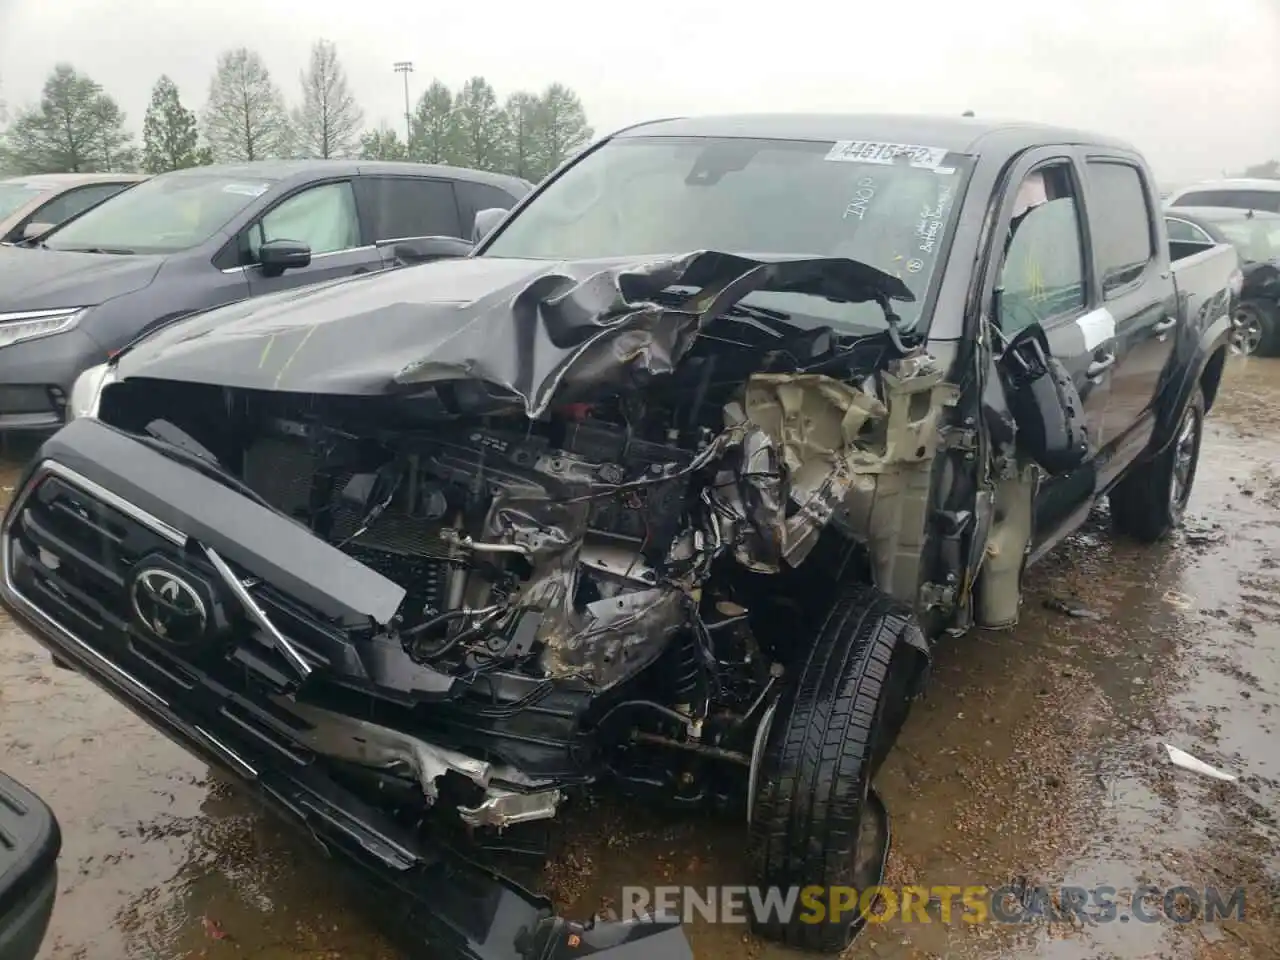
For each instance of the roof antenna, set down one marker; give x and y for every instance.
(967, 113)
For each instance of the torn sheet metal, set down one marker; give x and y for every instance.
(847, 456)
(524, 328)
(372, 745)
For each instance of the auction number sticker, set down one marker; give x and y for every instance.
(873, 151)
(247, 189)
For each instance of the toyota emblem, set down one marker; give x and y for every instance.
(169, 607)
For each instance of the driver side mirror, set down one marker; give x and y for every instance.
(486, 220)
(33, 230)
(277, 256)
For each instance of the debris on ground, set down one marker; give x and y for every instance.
(213, 929)
(1185, 760)
(1071, 608)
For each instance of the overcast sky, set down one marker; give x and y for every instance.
(1194, 83)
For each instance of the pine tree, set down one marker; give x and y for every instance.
(435, 133)
(170, 140)
(75, 129)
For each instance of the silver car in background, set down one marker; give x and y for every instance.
(32, 205)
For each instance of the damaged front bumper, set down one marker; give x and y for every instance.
(450, 906)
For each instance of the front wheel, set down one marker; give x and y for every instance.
(814, 820)
(1150, 502)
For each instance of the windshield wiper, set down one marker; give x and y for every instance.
(119, 251)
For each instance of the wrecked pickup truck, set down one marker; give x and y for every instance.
(671, 482)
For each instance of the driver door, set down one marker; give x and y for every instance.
(326, 218)
(1045, 278)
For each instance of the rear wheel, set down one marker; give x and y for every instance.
(1257, 328)
(814, 821)
(1149, 503)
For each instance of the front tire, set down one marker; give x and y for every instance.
(1150, 502)
(812, 824)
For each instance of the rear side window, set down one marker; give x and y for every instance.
(1189, 232)
(1121, 223)
(482, 196)
(1239, 199)
(413, 207)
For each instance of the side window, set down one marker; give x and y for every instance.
(483, 196)
(1122, 225)
(1043, 273)
(1239, 199)
(67, 205)
(1262, 200)
(1182, 230)
(413, 207)
(322, 217)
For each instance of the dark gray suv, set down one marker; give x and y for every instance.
(193, 239)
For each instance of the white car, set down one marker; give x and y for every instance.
(1242, 193)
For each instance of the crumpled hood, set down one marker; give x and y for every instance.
(527, 327)
(39, 279)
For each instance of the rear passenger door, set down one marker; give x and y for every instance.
(400, 207)
(326, 218)
(1137, 290)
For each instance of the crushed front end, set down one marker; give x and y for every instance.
(595, 550)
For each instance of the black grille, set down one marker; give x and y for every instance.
(72, 556)
(79, 553)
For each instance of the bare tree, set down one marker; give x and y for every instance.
(245, 118)
(327, 123)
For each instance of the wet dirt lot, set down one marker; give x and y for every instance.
(1036, 757)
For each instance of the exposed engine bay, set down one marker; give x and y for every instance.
(624, 577)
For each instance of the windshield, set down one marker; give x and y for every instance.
(16, 194)
(163, 215)
(1256, 239)
(647, 196)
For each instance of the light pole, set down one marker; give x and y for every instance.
(406, 67)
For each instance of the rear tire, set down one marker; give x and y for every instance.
(1257, 331)
(832, 730)
(1149, 503)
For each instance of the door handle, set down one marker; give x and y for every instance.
(1098, 367)
(1165, 325)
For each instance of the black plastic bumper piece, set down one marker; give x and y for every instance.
(447, 905)
(29, 845)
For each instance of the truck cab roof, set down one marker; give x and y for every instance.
(964, 135)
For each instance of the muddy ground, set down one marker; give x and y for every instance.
(1035, 756)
